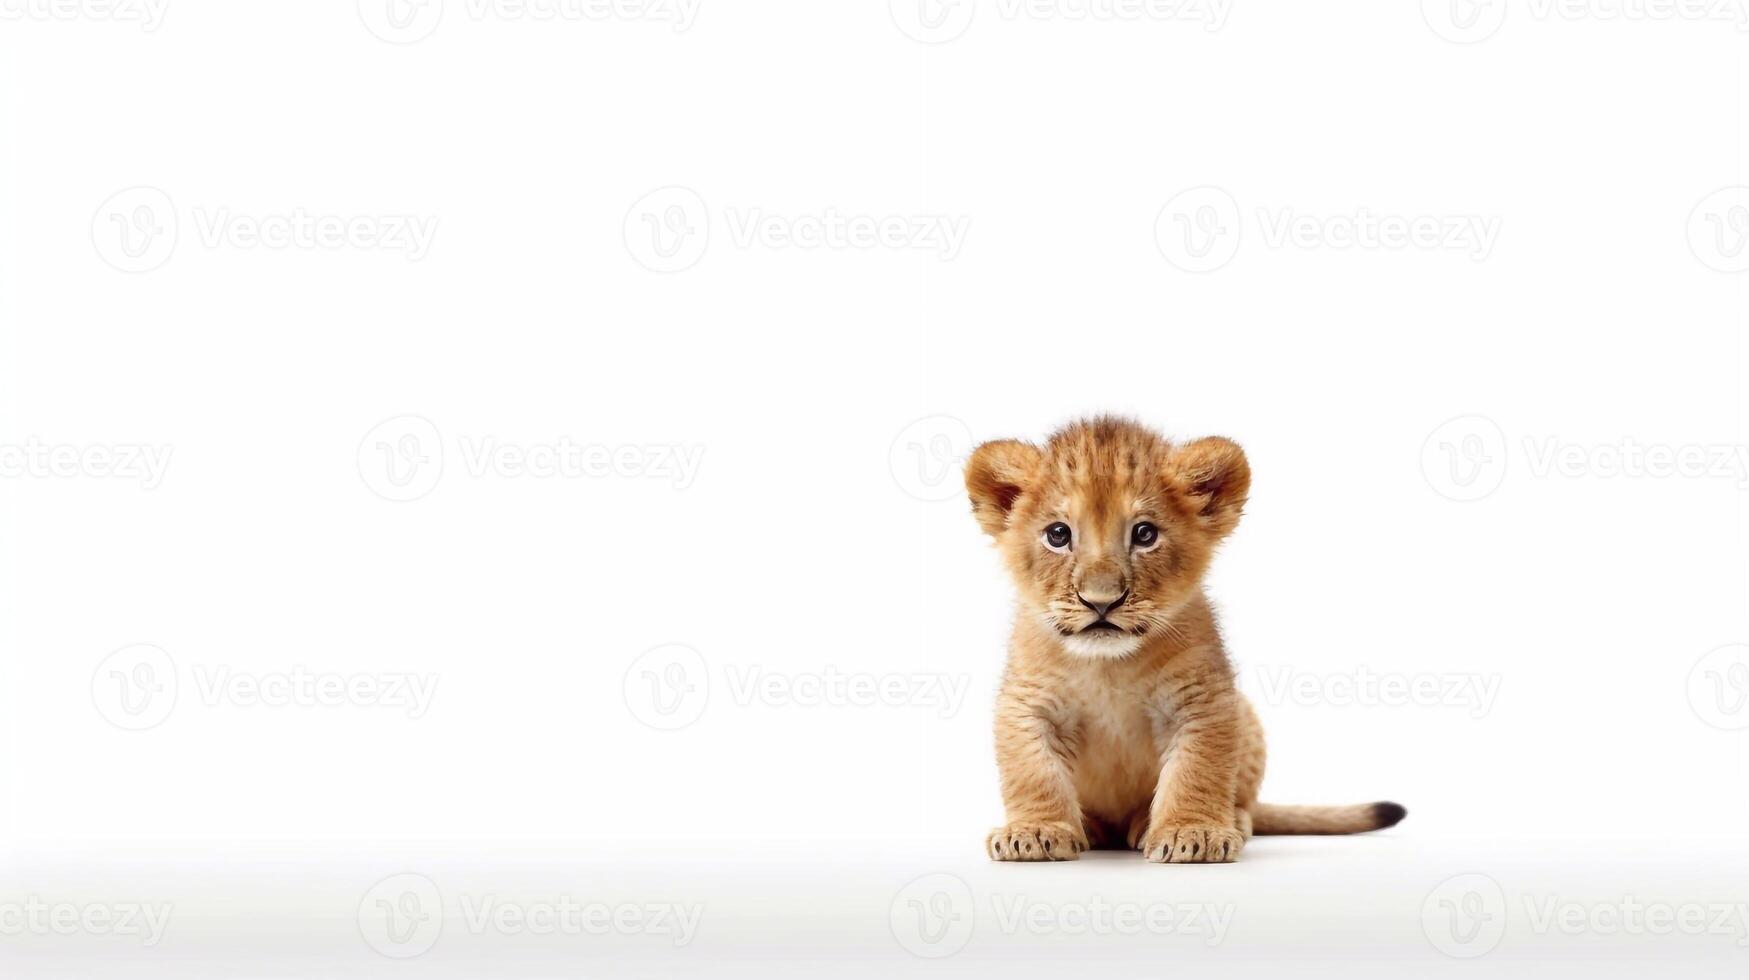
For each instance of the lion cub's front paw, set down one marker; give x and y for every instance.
(1192, 845)
(1036, 841)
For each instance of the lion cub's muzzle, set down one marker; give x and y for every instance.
(1102, 607)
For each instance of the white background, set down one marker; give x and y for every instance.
(566, 168)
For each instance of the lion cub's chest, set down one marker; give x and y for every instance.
(1117, 759)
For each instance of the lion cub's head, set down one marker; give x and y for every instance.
(1109, 527)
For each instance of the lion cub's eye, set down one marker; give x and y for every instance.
(1057, 536)
(1144, 535)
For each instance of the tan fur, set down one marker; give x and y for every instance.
(1134, 736)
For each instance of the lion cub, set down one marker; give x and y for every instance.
(1118, 721)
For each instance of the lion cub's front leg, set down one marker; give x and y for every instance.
(1192, 818)
(1038, 792)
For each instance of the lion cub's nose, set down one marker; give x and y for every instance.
(1102, 603)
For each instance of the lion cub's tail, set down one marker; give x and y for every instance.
(1267, 818)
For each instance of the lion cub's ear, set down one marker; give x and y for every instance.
(1214, 479)
(996, 474)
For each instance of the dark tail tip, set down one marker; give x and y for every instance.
(1388, 814)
